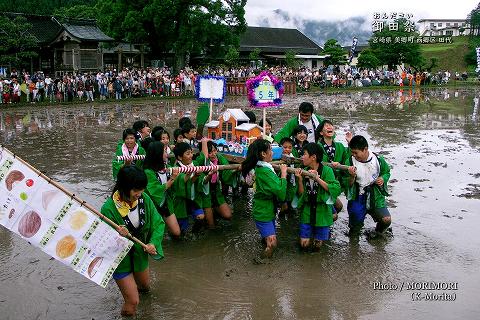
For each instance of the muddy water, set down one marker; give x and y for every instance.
(432, 141)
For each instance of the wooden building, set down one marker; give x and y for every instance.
(67, 45)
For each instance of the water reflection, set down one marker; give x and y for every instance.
(438, 108)
(28, 120)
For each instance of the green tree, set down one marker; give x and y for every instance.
(290, 59)
(79, 12)
(44, 7)
(473, 19)
(232, 56)
(17, 44)
(397, 52)
(471, 55)
(368, 59)
(185, 27)
(337, 56)
(254, 55)
(433, 64)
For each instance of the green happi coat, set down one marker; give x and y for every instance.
(269, 188)
(342, 154)
(292, 186)
(291, 124)
(296, 152)
(184, 191)
(227, 177)
(116, 165)
(325, 200)
(158, 192)
(151, 232)
(379, 192)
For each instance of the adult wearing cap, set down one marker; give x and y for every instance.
(305, 117)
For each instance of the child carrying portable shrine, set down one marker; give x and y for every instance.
(129, 147)
(189, 189)
(215, 202)
(335, 153)
(300, 139)
(269, 189)
(317, 197)
(291, 195)
(367, 188)
(160, 183)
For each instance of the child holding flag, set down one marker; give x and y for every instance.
(135, 213)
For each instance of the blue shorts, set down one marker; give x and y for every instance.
(266, 228)
(183, 223)
(193, 208)
(357, 211)
(197, 212)
(120, 275)
(318, 233)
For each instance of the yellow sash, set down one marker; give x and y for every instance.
(122, 206)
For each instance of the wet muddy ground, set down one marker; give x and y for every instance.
(431, 139)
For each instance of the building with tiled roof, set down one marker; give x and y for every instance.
(277, 41)
(67, 45)
(274, 43)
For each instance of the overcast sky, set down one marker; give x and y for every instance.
(344, 9)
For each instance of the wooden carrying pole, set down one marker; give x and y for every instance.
(289, 159)
(305, 173)
(235, 167)
(73, 196)
(285, 158)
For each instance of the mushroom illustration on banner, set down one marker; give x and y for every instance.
(264, 91)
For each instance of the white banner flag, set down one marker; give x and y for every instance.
(211, 88)
(56, 223)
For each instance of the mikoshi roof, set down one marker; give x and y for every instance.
(238, 114)
(246, 126)
(212, 124)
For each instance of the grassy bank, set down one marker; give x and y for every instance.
(449, 56)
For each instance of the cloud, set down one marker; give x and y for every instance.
(331, 10)
(320, 31)
(321, 20)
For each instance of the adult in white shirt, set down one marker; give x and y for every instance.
(305, 117)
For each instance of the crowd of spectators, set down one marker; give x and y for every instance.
(351, 77)
(134, 82)
(109, 84)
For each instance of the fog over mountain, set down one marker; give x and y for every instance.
(320, 30)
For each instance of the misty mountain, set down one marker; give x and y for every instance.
(319, 30)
